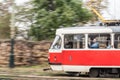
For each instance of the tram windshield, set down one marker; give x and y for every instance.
(56, 43)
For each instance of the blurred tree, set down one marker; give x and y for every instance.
(53, 14)
(24, 19)
(5, 19)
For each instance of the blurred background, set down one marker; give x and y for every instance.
(27, 27)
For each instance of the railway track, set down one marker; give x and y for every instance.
(33, 77)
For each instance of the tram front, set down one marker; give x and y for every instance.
(55, 54)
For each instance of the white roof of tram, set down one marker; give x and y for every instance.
(90, 29)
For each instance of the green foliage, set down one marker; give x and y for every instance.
(4, 20)
(53, 14)
(4, 26)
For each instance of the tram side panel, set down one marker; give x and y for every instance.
(83, 60)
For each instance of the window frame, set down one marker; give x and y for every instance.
(100, 40)
(55, 41)
(117, 40)
(84, 42)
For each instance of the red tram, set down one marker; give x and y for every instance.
(91, 50)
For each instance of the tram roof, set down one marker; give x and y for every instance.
(88, 29)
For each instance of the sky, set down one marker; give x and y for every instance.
(20, 1)
(114, 8)
(113, 11)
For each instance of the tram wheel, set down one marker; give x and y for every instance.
(94, 73)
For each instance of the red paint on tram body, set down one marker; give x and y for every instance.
(87, 57)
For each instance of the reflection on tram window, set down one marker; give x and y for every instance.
(117, 41)
(74, 41)
(99, 41)
(57, 43)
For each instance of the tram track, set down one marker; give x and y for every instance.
(39, 74)
(34, 77)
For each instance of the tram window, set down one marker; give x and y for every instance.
(74, 41)
(57, 43)
(117, 41)
(99, 41)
